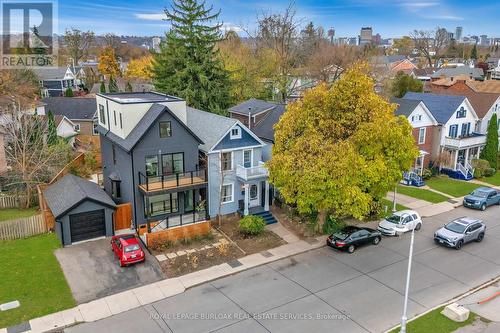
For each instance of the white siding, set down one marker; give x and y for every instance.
(469, 118)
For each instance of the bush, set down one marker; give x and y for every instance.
(426, 174)
(252, 225)
(68, 93)
(489, 172)
(332, 225)
(480, 167)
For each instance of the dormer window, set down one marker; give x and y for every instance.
(462, 113)
(235, 133)
(165, 129)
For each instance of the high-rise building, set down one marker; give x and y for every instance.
(483, 40)
(377, 39)
(331, 34)
(458, 34)
(156, 43)
(365, 36)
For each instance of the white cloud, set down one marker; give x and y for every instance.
(444, 17)
(230, 26)
(151, 17)
(416, 6)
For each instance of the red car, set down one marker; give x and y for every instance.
(128, 249)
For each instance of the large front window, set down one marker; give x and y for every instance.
(227, 193)
(226, 161)
(152, 165)
(162, 204)
(172, 163)
(421, 135)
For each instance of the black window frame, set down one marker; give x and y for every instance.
(146, 165)
(116, 191)
(113, 152)
(461, 113)
(121, 121)
(114, 116)
(169, 129)
(172, 163)
(102, 114)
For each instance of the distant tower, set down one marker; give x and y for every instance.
(331, 34)
(458, 34)
(366, 36)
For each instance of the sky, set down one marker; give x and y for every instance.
(389, 18)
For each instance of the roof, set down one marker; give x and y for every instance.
(264, 129)
(50, 73)
(481, 102)
(139, 97)
(442, 107)
(488, 86)
(153, 113)
(388, 59)
(209, 127)
(71, 107)
(405, 106)
(423, 71)
(462, 70)
(451, 80)
(71, 190)
(254, 106)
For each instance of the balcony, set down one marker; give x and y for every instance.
(171, 182)
(254, 172)
(475, 139)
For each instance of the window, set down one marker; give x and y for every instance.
(421, 135)
(235, 133)
(465, 129)
(114, 116)
(227, 161)
(227, 193)
(152, 165)
(162, 204)
(462, 113)
(172, 163)
(115, 189)
(253, 192)
(247, 158)
(77, 127)
(121, 122)
(94, 128)
(165, 129)
(102, 116)
(419, 117)
(114, 154)
(412, 118)
(189, 201)
(453, 131)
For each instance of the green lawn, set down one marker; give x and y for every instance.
(30, 273)
(15, 213)
(493, 180)
(389, 205)
(455, 188)
(434, 321)
(422, 194)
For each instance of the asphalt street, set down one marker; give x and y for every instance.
(326, 290)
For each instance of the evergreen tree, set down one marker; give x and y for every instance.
(490, 150)
(68, 93)
(473, 52)
(112, 86)
(128, 87)
(52, 129)
(188, 64)
(102, 88)
(403, 83)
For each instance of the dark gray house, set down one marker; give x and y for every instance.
(82, 210)
(54, 81)
(151, 159)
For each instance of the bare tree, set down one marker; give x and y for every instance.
(431, 44)
(111, 40)
(78, 43)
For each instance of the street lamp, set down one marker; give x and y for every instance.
(407, 289)
(394, 199)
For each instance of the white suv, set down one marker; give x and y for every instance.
(400, 222)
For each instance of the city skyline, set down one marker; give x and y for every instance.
(388, 18)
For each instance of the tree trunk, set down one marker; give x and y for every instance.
(321, 220)
(27, 204)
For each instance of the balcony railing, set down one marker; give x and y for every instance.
(252, 172)
(165, 182)
(475, 139)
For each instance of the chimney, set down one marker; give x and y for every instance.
(249, 117)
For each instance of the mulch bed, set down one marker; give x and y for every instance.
(301, 230)
(186, 245)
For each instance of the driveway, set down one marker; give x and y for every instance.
(326, 290)
(92, 270)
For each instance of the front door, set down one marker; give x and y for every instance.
(461, 156)
(254, 195)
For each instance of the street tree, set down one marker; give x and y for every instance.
(78, 43)
(140, 68)
(431, 44)
(188, 64)
(339, 150)
(490, 150)
(402, 83)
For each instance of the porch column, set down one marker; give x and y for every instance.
(456, 160)
(266, 196)
(247, 194)
(422, 158)
(467, 156)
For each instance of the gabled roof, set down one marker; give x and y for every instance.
(488, 86)
(442, 107)
(423, 71)
(154, 112)
(405, 106)
(210, 127)
(50, 73)
(71, 190)
(462, 70)
(254, 106)
(264, 129)
(71, 107)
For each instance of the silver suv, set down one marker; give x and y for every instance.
(460, 231)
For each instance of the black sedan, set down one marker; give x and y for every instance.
(350, 237)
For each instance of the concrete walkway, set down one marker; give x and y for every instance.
(137, 297)
(425, 208)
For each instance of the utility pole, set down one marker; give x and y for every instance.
(407, 289)
(394, 200)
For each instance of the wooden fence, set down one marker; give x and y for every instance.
(12, 201)
(23, 227)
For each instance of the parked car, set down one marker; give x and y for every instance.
(127, 249)
(350, 237)
(460, 231)
(482, 197)
(400, 222)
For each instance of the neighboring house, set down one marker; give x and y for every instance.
(422, 74)
(260, 117)
(472, 73)
(166, 160)
(81, 209)
(484, 104)
(455, 143)
(487, 86)
(494, 65)
(66, 129)
(54, 81)
(80, 111)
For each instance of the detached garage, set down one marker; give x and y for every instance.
(82, 210)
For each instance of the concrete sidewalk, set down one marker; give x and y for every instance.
(134, 298)
(425, 208)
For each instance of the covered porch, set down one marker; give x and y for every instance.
(458, 162)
